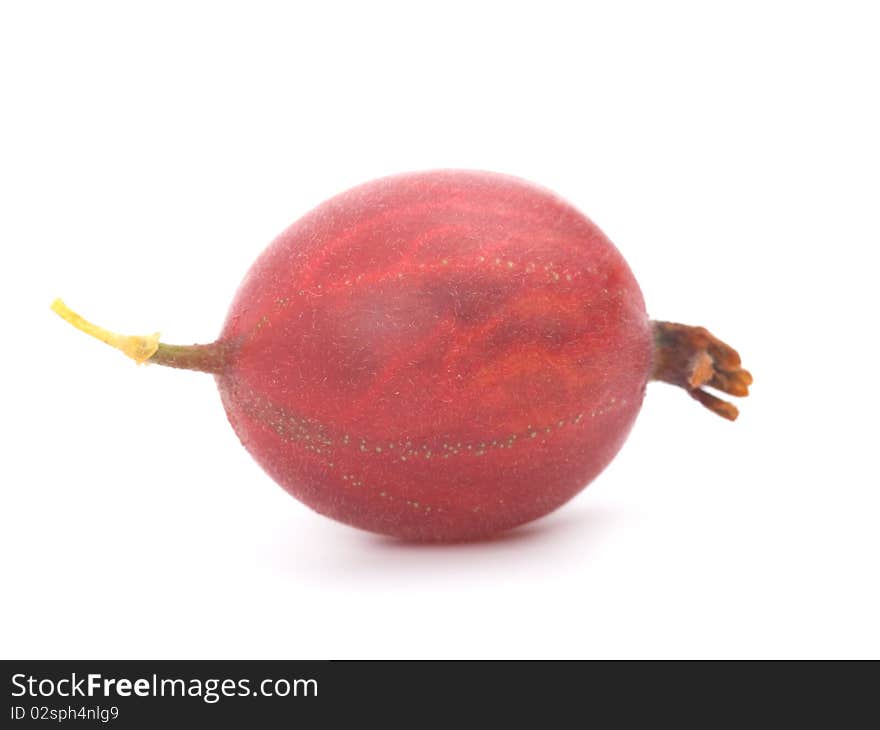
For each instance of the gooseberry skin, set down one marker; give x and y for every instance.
(437, 356)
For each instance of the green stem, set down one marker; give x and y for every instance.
(205, 358)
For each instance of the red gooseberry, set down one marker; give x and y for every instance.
(441, 355)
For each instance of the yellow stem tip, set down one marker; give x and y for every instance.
(139, 348)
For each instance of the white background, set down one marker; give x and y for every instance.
(150, 151)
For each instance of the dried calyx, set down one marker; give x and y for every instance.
(693, 358)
